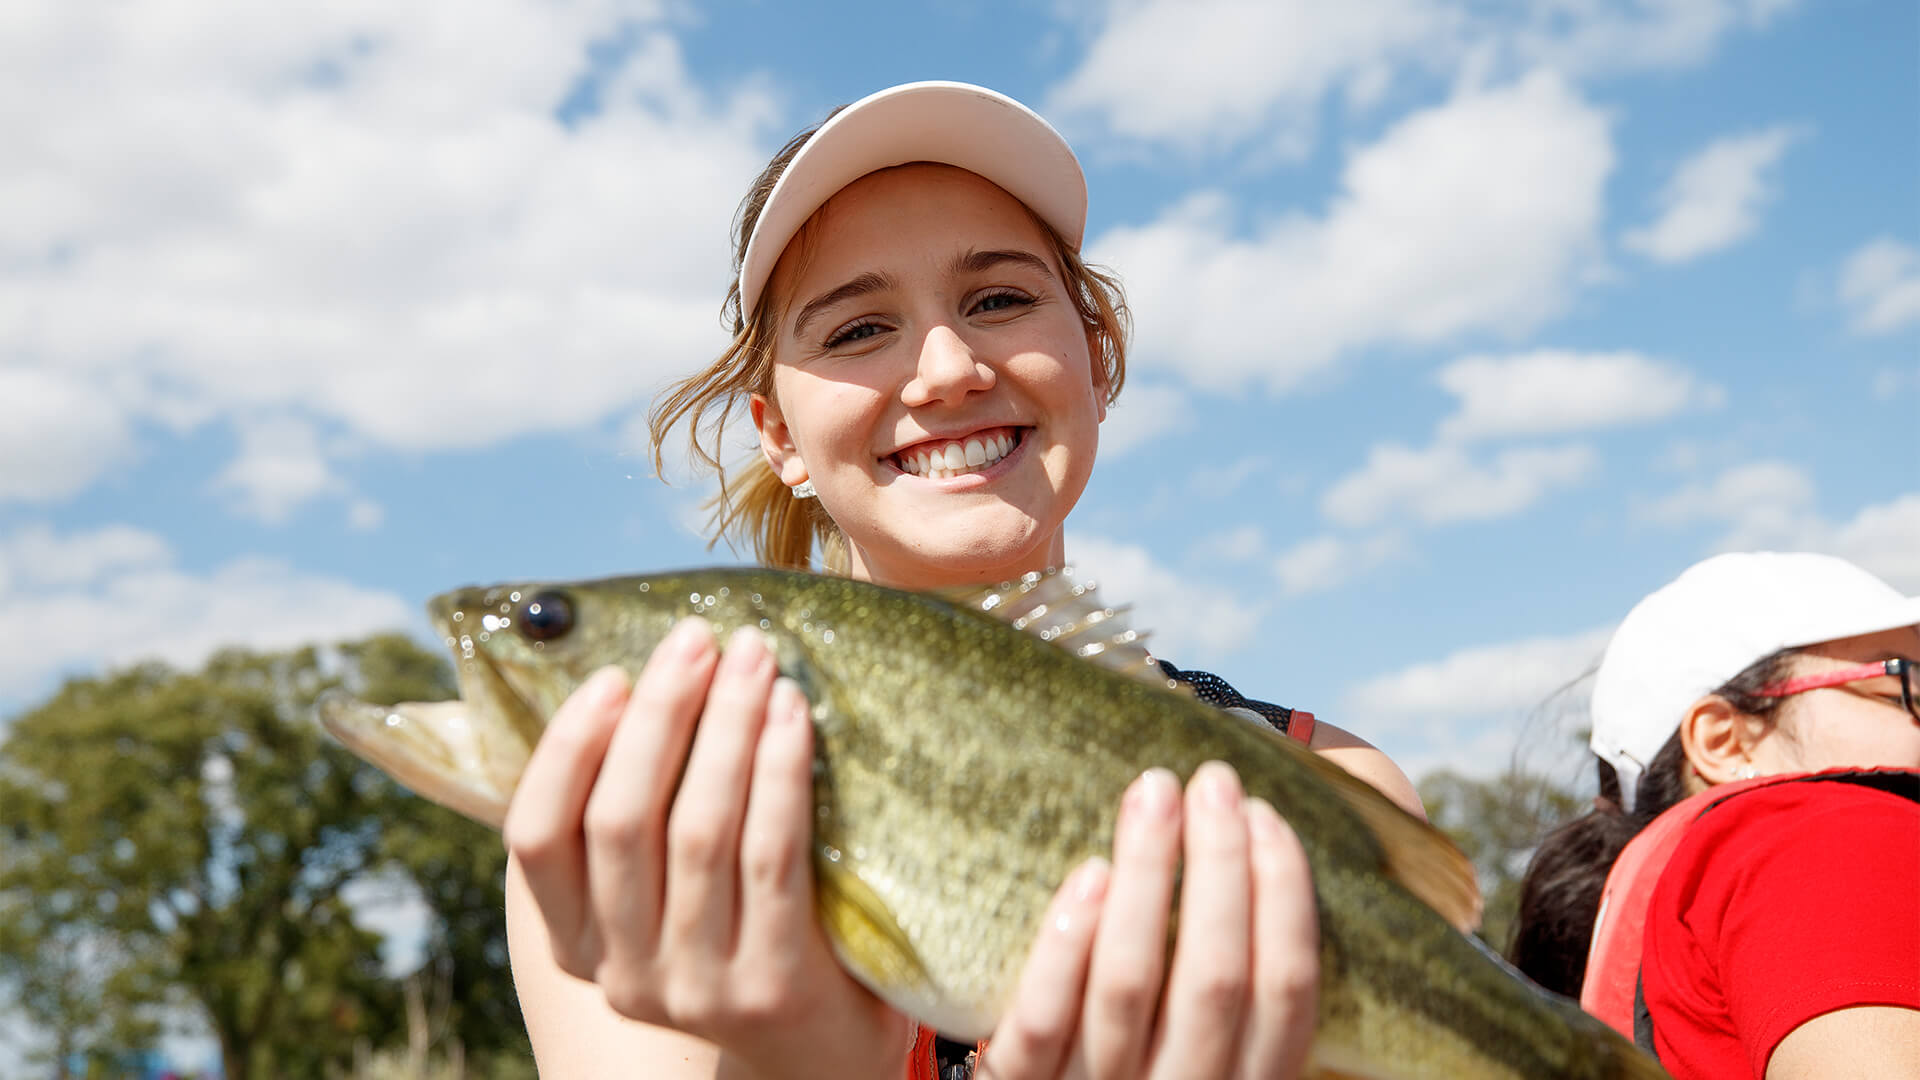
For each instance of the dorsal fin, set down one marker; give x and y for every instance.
(1414, 852)
(1065, 610)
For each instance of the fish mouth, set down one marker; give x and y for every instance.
(432, 748)
(980, 452)
(482, 684)
(452, 752)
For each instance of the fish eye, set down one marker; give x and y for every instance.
(547, 616)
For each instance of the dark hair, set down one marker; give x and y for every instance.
(1560, 895)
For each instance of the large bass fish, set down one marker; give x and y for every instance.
(971, 750)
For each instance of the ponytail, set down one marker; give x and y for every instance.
(1560, 895)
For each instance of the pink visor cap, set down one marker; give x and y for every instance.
(948, 123)
(1720, 617)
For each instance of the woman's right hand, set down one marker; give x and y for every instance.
(1240, 999)
(664, 833)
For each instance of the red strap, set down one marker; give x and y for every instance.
(1613, 958)
(1300, 727)
(920, 1064)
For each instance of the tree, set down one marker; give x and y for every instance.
(1497, 823)
(193, 833)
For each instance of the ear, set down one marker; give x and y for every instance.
(776, 440)
(1720, 740)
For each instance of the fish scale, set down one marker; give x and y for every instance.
(963, 767)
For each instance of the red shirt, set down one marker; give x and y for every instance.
(1782, 905)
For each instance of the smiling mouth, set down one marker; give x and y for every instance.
(939, 459)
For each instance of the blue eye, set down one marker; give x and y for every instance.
(857, 331)
(1001, 301)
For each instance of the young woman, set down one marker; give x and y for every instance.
(927, 362)
(1745, 901)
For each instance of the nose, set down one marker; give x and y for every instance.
(948, 370)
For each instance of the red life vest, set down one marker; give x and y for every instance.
(1610, 989)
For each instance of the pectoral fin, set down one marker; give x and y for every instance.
(865, 934)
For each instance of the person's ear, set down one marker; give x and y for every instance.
(1720, 741)
(776, 440)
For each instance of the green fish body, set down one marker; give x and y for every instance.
(970, 751)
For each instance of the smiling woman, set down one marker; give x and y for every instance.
(927, 362)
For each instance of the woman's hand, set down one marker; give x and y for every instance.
(1241, 997)
(664, 834)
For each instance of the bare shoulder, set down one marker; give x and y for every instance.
(1364, 760)
(574, 1032)
(1870, 1040)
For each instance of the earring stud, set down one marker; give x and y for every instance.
(804, 490)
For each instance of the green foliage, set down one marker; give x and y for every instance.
(1497, 823)
(181, 841)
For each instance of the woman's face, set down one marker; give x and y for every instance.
(933, 378)
(1858, 724)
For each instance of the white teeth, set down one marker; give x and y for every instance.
(955, 458)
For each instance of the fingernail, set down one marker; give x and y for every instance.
(1219, 785)
(689, 638)
(1085, 889)
(746, 649)
(1153, 795)
(1090, 881)
(789, 704)
(1263, 822)
(604, 685)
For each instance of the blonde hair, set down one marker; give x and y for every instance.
(753, 506)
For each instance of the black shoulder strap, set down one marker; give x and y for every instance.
(1642, 1019)
(1216, 691)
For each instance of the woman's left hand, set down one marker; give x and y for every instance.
(1241, 998)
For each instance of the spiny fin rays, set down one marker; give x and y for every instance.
(1066, 611)
(1414, 853)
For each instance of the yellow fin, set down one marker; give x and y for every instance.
(1420, 857)
(865, 933)
(1064, 610)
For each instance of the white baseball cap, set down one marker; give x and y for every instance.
(1692, 636)
(949, 123)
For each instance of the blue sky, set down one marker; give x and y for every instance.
(1460, 325)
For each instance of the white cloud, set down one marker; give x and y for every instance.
(1714, 198)
(1880, 287)
(1231, 72)
(366, 215)
(1554, 391)
(1602, 37)
(1243, 543)
(1228, 70)
(57, 433)
(1144, 412)
(1477, 215)
(35, 556)
(280, 467)
(114, 596)
(1763, 503)
(1187, 621)
(1326, 562)
(1885, 538)
(1503, 679)
(1442, 484)
(1771, 505)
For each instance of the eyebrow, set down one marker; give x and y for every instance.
(972, 262)
(863, 285)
